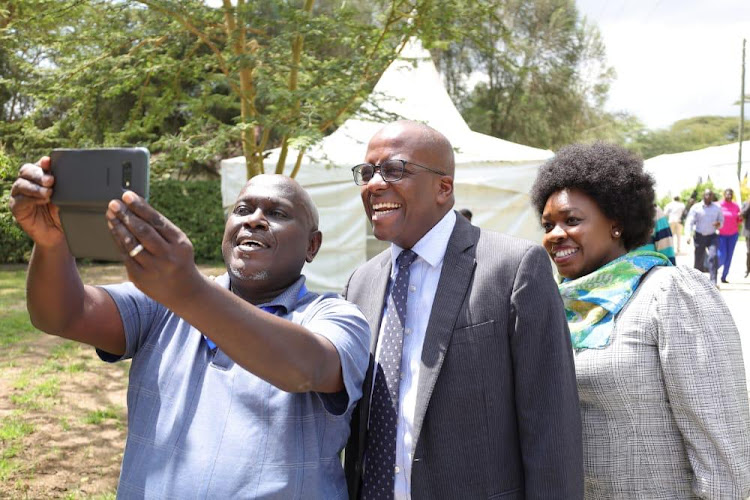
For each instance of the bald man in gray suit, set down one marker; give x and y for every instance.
(478, 400)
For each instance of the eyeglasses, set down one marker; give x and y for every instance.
(390, 171)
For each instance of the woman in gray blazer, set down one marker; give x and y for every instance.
(664, 401)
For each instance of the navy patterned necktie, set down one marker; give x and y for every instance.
(379, 477)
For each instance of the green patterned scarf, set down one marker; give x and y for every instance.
(592, 301)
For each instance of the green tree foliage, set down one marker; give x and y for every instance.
(546, 76)
(15, 246)
(192, 82)
(194, 205)
(687, 135)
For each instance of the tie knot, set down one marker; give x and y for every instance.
(405, 258)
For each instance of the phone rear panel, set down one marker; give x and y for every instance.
(85, 182)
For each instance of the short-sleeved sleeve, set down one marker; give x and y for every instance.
(342, 323)
(137, 312)
(701, 358)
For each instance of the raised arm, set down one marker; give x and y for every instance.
(57, 300)
(286, 354)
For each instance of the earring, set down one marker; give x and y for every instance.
(616, 233)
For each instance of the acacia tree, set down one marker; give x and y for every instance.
(544, 73)
(278, 61)
(193, 81)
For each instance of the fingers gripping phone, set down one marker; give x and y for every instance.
(86, 180)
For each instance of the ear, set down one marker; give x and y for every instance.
(313, 245)
(445, 190)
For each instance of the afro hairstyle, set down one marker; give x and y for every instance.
(612, 176)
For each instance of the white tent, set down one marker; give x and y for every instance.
(492, 179)
(679, 171)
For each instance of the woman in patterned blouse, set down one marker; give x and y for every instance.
(664, 400)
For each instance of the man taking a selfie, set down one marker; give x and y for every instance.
(240, 387)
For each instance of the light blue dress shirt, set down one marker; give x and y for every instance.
(701, 218)
(423, 281)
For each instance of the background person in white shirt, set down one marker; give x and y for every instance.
(673, 210)
(703, 222)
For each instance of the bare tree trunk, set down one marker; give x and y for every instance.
(297, 45)
(236, 32)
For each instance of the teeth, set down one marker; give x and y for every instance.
(252, 243)
(566, 252)
(386, 206)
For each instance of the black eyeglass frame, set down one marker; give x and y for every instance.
(377, 169)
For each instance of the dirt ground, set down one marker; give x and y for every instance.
(62, 412)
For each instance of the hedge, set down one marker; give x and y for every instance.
(194, 206)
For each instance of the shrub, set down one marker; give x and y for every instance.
(194, 206)
(15, 246)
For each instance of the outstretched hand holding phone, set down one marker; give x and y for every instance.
(30, 204)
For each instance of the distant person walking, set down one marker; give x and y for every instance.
(674, 210)
(703, 220)
(745, 214)
(729, 232)
(691, 201)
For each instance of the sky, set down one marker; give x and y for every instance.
(674, 59)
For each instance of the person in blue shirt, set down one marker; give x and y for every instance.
(240, 386)
(703, 222)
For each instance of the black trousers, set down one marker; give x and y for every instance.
(706, 258)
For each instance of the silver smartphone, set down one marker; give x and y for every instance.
(86, 180)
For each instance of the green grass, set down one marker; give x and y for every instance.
(13, 427)
(7, 468)
(76, 495)
(96, 417)
(65, 350)
(14, 320)
(12, 286)
(12, 430)
(14, 326)
(35, 396)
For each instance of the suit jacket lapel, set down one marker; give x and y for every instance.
(455, 277)
(375, 306)
(373, 311)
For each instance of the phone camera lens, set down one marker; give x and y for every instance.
(127, 174)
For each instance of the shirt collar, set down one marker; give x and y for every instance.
(287, 299)
(432, 246)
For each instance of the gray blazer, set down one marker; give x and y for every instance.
(497, 411)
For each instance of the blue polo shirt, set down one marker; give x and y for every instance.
(199, 426)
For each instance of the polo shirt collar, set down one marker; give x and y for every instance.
(287, 300)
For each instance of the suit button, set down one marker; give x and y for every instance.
(397, 469)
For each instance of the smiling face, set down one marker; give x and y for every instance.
(405, 210)
(269, 235)
(578, 236)
(728, 195)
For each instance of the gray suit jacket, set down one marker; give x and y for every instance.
(497, 412)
